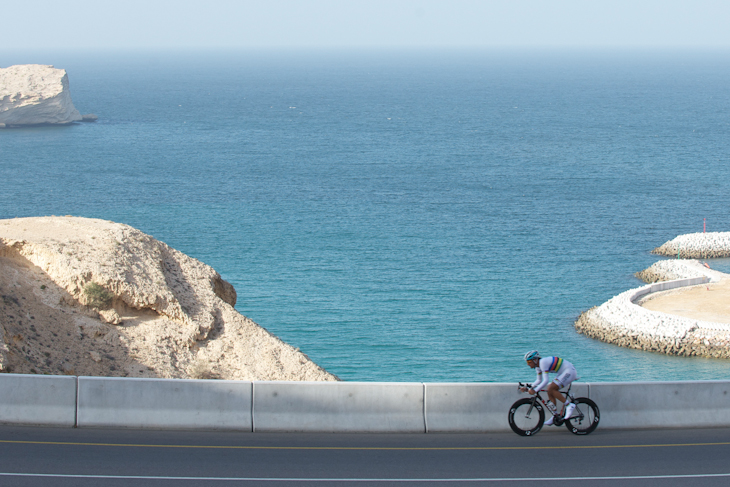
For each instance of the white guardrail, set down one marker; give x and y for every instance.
(336, 406)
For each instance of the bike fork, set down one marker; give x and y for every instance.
(529, 411)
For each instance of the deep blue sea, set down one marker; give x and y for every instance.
(400, 216)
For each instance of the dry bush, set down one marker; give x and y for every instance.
(97, 297)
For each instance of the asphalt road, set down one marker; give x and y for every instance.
(32, 456)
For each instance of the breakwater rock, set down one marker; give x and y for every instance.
(32, 94)
(670, 270)
(697, 246)
(91, 297)
(624, 322)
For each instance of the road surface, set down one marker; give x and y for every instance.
(34, 456)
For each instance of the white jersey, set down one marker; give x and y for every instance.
(554, 365)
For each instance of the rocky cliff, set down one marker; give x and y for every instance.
(92, 297)
(35, 94)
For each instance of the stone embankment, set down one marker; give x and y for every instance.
(80, 296)
(710, 245)
(624, 322)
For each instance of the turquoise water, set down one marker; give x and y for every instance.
(408, 216)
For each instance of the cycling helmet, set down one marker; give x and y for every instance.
(532, 355)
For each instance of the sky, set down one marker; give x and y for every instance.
(332, 24)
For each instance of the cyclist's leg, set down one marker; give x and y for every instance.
(554, 394)
(562, 381)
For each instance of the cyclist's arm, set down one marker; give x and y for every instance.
(542, 380)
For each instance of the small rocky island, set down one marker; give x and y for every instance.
(82, 296)
(36, 94)
(686, 321)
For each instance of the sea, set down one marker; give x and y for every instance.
(412, 215)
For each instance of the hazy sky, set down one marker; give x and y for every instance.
(363, 23)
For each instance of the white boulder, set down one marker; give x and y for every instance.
(35, 94)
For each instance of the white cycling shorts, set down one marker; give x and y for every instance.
(566, 377)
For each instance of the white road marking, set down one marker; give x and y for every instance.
(304, 479)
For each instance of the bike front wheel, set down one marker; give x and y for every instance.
(526, 417)
(585, 417)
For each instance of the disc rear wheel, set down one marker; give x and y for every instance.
(526, 418)
(585, 417)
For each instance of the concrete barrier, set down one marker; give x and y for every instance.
(666, 285)
(38, 399)
(662, 404)
(165, 403)
(338, 407)
(474, 408)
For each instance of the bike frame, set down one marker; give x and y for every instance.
(558, 421)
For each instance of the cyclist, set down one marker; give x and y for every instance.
(565, 375)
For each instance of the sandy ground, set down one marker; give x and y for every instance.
(707, 302)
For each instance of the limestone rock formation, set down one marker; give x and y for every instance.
(92, 297)
(33, 94)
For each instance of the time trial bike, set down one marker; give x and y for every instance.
(527, 415)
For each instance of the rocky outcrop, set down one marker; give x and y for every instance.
(697, 246)
(92, 297)
(32, 94)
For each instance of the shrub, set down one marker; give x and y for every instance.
(97, 297)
